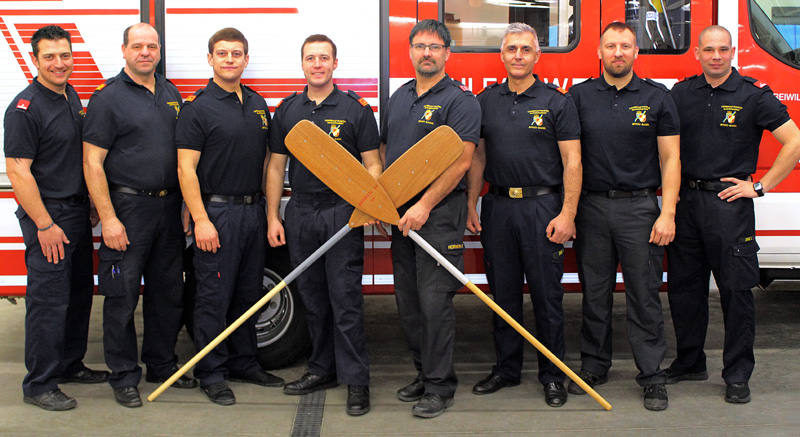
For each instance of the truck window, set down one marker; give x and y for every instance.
(478, 25)
(776, 28)
(662, 26)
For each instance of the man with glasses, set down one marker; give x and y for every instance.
(130, 162)
(424, 290)
(529, 150)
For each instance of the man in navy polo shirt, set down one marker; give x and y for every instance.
(424, 290)
(42, 146)
(630, 147)
(222, 149)
(529, 148)
(130, 167)
(331, 287)
(723, 116)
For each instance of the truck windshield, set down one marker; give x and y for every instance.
(662, 26)
(478, 25)
(776, 28)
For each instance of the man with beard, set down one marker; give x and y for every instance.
(424, 290)
(630, 144)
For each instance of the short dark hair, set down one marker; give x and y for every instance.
(318, 38)
(51, 32)
(431, 26)
(227, 34)
(620, 27)
(126, 39)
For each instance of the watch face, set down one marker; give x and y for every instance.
(758, 188)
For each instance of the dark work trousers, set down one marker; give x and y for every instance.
(424, 292)
(515, 244)
(611, 232)
(719, 236)
(58, 298)
(154, 229)
(229, 282)
(331, 287)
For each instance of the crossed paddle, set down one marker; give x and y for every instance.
(379, 198)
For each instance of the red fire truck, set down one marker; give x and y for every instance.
(372, 38)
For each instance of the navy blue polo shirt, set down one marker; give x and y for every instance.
(721, 127)
(44, 126)
(231, 135)
(522, 132)
(620, 130)
(137, 128)
(409, 118)
(346, 117)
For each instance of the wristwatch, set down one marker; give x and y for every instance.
(759, 189)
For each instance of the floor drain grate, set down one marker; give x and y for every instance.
(308, 418)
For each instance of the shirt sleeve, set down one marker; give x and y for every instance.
(100, 126)
(368, 138)
(20, 137)
(772, 113)
(277, 134)
(464, 118)
(669, 122)
(190, 131)
(568, 125)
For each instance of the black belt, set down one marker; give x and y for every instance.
(716, 186)
(621, 194)
(523, 192)
(151, 193)
(236, 200)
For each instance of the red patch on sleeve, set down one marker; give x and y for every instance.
(760, 84)
(100, 87)
(464, 88)
(363, 102)
(562, 90)
(191, 98)
(23, 104)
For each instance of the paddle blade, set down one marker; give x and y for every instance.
(340, 171)
(416, 169)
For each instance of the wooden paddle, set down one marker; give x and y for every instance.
(409, 174)
(335, 185)
(336, 167)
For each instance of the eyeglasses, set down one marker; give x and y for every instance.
(434, 48)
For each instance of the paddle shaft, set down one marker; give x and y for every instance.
(510, 320)
(249, 313)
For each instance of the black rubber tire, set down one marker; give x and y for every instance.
(281, 329)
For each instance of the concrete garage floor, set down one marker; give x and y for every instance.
(695, 408)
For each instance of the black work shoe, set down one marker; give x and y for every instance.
(182, 382)
(309, 383)
(54, 400)
(219, 393)
(674, 375)
(128, 396)
(412, 392)
(555, 394)
(590, 379)
(737, 393)
(655, 397)
(431, 405)
(86, 376)
(357, 400)
(492, 383)
(261, 377)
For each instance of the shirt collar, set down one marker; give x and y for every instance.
(634, 85)
(730, 84)
(125, 78)
(47, 91)
(436, 88)
(530, 92)
(332, 99)
(220, 93)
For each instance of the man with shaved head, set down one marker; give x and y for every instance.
(130, 163)
(723, 116)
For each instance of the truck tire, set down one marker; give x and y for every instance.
(281, 328)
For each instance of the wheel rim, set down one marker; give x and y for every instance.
(275, 318)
